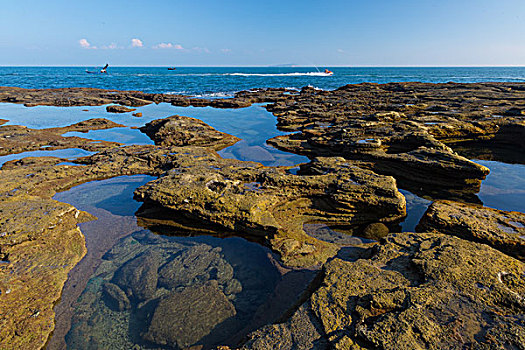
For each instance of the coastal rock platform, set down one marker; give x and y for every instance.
(458, 283)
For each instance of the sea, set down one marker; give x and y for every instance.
(225, 81)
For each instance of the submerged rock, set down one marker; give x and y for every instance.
(184, 318)
(138, 277)
(115, 297)
(196, 265)
(500, 229)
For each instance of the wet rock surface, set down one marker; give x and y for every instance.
(183, 318)
(119, 109)
(68, 97)
(184, 131)
(500, 229)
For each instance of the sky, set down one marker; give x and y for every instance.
(261, 33)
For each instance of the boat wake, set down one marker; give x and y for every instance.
(297, 74)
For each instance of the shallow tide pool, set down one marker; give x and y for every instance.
(136, 289)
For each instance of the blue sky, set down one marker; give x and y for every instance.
(258, 33)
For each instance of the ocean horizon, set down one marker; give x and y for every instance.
(225, 81)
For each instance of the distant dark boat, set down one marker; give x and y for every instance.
(171, 68)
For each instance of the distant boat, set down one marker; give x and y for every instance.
(171, 68)
(102, 71)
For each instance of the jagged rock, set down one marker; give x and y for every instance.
(119, 109)
(185, 131)
(500, 229)
(138, 114)
(269, 202)
(421, 291)
(138, 277)
(184, 318)
(115, 297)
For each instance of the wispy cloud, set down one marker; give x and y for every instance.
(340, 50)
(136, 43)
(85, 44)
(168, 46)
(226, 50)
(200, 49)
(111, 46)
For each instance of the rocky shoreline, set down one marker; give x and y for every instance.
(456, 283)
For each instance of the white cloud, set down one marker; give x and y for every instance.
(340, 50)
(136, 43)
(225, 50)
(168, 46)
(85, 44)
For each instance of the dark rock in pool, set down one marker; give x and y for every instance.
(119, 109)
(138, 277)
(197, 264)
(115, 297)
(184, 318)
(254, 153)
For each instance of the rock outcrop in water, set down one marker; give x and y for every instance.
(185, 131)
(18, 139)
(270, 203)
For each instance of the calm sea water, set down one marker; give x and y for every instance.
(224, 81)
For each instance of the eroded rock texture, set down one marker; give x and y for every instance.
(406, 129)
(183, 131)
(18, 139)
(268, 202)
(423, 291)
(500, 229)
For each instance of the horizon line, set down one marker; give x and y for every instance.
(273, 66)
